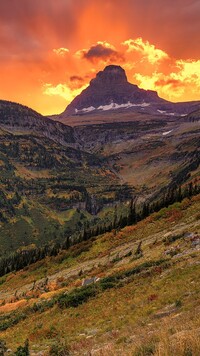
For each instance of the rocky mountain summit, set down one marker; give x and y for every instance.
(111, 91)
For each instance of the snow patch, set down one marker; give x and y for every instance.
(88, 109)
(114, 106)
(167, 133)
(168, 113)
(111, 106)
(161, 111)
(143, 104)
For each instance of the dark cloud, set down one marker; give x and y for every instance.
(101, 52)
(173, 83)
(76, 78)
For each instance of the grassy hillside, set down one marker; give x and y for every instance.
(47, 190)
(146, 301)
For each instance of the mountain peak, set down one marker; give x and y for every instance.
(110, 90)
(111, 75)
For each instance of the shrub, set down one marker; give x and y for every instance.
(77, 297)
(128, 254)
(170, 239)
(59, 349)
(107, 285)
(178, 303)
(146, 350)
(23, 350)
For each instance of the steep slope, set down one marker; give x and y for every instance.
(194, 116)
(144, 303)
(18, 118)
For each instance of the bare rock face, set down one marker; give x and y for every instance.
(111, 76)
(111, 87)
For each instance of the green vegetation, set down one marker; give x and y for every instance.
(39, 210)
(150, 297)
(26, 257)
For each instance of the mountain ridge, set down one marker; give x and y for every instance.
(19, 118)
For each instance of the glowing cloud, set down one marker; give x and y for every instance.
(184, 78)
(62, 90)
(61, 51)
(165, 86)
(146, 49)
(189, 72)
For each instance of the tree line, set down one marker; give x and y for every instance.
(136, 212)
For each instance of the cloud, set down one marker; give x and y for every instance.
(61, 51)
(76, 78)
(102, 51)
(168, 82)
(163, 84)
(189, 72)
(62, 90)
(76, 82)
(183, 79)
(147, 50)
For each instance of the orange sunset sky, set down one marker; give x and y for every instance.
(50, 49)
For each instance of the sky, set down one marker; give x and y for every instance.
(51, 49)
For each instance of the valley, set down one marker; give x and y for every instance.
(53, 182)
(100, 225)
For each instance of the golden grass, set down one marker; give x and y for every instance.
(156, 312)
(13, 306)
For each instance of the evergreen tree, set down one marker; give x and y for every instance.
(132, 216)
